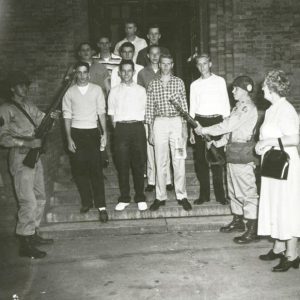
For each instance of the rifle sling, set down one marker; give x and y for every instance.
(17, 105)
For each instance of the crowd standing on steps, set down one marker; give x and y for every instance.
(135, 85)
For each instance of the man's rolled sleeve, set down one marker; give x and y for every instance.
(101, 106)
(150, 105)
(183, 97)
(67, 106)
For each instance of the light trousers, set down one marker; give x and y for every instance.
(151, 169)
(242, 190)
(166, 132)
(30, 191)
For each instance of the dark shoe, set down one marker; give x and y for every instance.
(84, 209)
(170, 187)
(271, 255)
(223, 201)
(201, 201)
(38, 240)
(150, 188)
(185, 204)
(250, 235)
(156, 204)
(103, 216)
(27, 248)
(286, 264)
(237, 224)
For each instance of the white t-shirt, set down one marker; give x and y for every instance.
(127, 102)
(209, 97)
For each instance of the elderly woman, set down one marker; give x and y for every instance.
(239, 129)
(280, 199)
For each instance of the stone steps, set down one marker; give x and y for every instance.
(126, 227)
(172, 209)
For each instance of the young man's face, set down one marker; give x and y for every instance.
(20, 90)
(85, 52)
(127, 53)
(83, 75)
(154, 55)
(203, 65)
(130, 29)
(126, 73)
(104, 45)
(166, 65)
(154, 36)
(239, 93)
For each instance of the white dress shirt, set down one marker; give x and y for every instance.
(127, 102)
(209, 97)
(138, 43)
(116, 79)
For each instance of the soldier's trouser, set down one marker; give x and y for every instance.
(30, 191)
(151, 170)
(242, 190)
(166, 131)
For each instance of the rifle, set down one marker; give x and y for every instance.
(43, 129)
(217, 156)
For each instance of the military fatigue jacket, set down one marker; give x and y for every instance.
(16, 125)
(240, 123)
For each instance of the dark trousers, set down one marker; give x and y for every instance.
(130, 151)
(202, 167)
(87, 168)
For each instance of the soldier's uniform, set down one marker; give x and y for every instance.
(242, 190)
(29, 183)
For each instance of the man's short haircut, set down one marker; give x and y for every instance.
(126, 44)
(202, 55)
(151, 47)
(103, 37)
(126, 62)
(154, 26)
(82, 64)
(129, 21)
(169, 56)
(84, 43)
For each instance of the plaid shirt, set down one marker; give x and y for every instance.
(158, 104)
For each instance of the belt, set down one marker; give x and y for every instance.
(130, 122)
(207, 116)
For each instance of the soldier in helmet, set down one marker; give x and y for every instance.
(17, 133)
(238, 130)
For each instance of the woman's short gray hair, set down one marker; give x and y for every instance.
(278, 82)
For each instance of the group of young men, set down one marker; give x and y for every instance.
(135, 86)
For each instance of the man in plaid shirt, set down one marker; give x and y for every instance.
(167, 131)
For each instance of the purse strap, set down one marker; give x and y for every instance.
(25, 113)
(280, 144)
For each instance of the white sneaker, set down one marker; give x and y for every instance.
(142, 206)
(121, 206)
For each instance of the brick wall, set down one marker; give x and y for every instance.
(252, 37)
(39, 38)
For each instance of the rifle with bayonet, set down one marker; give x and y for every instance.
(43, 129)
(218, 158)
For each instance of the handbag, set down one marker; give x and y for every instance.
(241, 153)
(275, 163)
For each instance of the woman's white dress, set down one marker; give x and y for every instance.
(279, 207)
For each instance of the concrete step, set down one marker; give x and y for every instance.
(70, 197)
(171, 210)
(126, 227)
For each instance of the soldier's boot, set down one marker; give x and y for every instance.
(38, 240)
(250, 235)
(27, 248)
(237, 224)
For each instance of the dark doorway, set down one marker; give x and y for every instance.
(178, 20)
